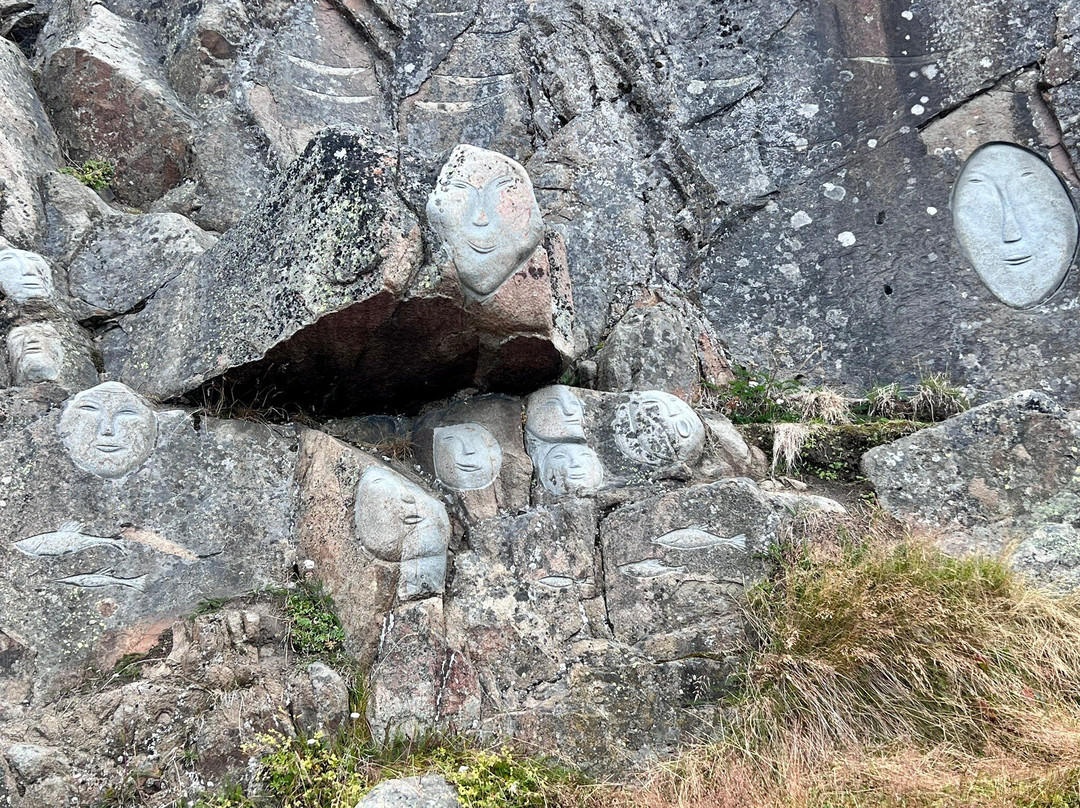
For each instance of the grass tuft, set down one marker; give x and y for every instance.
(95, 174)
(788, 443)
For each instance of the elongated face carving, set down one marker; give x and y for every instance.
(571, 468)
(484, 208)
(555, 414)
(35, 353)
(25, 276)
(108, 430)
(393, 513)
(1015, 222)
(657, 428)
(467, 457)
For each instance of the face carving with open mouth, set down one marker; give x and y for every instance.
(25, 276)
(36, 353)
(467, 457)
(108, 430)
(484, 208)
(1015, 222)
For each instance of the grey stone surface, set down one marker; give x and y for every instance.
(650, 348)
(1015, 222)
(999, 478)
(426, 791)
(28, 150)
(107, 543)
(318, 700)
(125, 259)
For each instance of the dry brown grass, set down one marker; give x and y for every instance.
(823, 404)
(788, 443)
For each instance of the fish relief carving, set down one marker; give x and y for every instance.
(68, 538)
(105, 577)
(650, 568)
(697, 538)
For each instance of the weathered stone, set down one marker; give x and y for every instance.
(127, 258)
(33, 763)
(55, 352)
(72, 211)
(25, 276)
(121, 518)
(28, 150)
(427, 791)
(318, 700)
(676, 565)
(1000, 477)
(109, 99)
(650, 348)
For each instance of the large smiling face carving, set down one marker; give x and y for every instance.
(25, 276)
(484, 208)
(467, 457)
(108, 430)
(1015, 222)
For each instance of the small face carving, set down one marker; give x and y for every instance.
(1015, 222)
(394, 516)
(570, 468)
(25, 276)
(484, 208)
(108, 430)
(555, 414)
(467, 457)
(656, 428)
(35, 352)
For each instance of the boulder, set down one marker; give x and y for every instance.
(1001, 478)
(121, 518)
(109, 99)
(28, 150)
(426, 791)
(318, 700)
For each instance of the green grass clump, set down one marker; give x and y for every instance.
(315, 630)
(96, 174)
(757, 397)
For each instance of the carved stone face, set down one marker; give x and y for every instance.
(25, 276)
(108, 430)
(1015, 222)
(35, 353)
(571, 468)
(484, 208)
(657, 428)
(555, 414)
(392, 513)
(467, 457)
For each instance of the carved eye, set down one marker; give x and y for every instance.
(974, 181)
(460, 184)
(682, 426)
(413, 519)
(127, 414)
(89, 408)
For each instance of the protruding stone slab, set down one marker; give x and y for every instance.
(427, 791)
(110, 100)
(1003, 475)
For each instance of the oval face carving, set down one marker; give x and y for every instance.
(108, 430)
(484, 208)
(393, 515)
(656, 428)
(25, 276)
(467, 457)
(35, 353)
(569, 468)
(555, 414)
(1015, 222)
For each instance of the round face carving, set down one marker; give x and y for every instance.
(1015, 222)
(393, 513)
(570, 468)
(108, 430)
(555, 414)
(484, 208)
(467, 457)
(35, 352)
(25, 276)
(657, 428)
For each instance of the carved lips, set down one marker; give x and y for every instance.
(108, 430)
(1015, 222)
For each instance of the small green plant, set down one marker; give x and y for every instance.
(315, 629)
(96, 174)
(757, 397)
(490, 779)
(231, 796)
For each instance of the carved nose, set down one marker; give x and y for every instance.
(105, 427)
(1010, 230)
(480, 218)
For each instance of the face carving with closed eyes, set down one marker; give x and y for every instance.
(25, 276)
(570, 468)
(466, 456)
(108, 430)
(1015, 222)
(484, 208)
(36, 353)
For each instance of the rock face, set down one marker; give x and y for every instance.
(429, 791)
(1001, 477)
